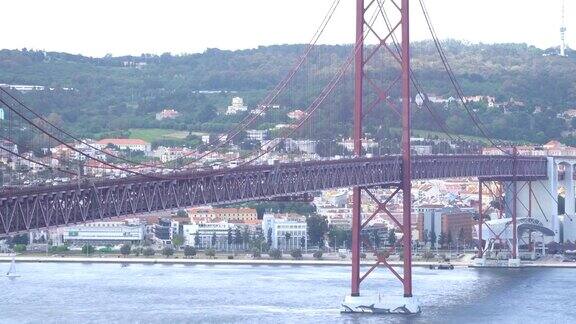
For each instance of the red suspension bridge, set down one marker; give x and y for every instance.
(151, 187)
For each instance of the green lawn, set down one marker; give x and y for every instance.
(151, 134)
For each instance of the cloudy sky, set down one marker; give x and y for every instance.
(119, 27)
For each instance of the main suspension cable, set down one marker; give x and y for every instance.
(45, 120)
(265, 103)
(50, 135)
(477, 123)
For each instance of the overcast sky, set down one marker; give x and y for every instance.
(120, 27)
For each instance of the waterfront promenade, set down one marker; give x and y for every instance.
(223, 261)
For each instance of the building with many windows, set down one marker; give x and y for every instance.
(104, 233)
(368, 144)
(228, 214)
(447, 221)
(236, 106)
(208, 235)
(133, 144)
(167, 114)
(165, 230)
(256, 134)
(304, 146)
(286, 232)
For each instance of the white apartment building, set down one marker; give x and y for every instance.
(103, 233)
(206, 232)
(166, 154)
(367, 144)
(132, 144)
(279, 225)
(333, 198)
(305, 146)
(236, 106)
(226, 214)
(256, 134)
(422, 149)
(64, 151)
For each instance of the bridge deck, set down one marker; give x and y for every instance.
(42, 207)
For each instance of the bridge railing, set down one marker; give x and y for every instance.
(430, 167)
(47, 207)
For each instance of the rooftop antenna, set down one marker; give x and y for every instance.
(563, 33)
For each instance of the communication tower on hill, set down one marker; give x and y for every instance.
(563, 33)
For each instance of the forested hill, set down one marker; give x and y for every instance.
(96, 95)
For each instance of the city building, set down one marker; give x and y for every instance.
(167, 114)
(448, 221)
(367, 144)
(6, 156)
(236, 107)
(104, 233)
(164, 231)
(88, 147)
(258, 111)
(335, 198)
(226, 214)
(286, 232)
(304, 146)
(552, 148)
(166, 154)
(133, 144)
(459, 225)
(22, 87)
(420, 149)
(296, 114)
(335, 219)
(205, 235)
(256, 134)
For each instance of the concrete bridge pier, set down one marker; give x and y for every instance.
(539, 198)
(567, 184)
(534, 201)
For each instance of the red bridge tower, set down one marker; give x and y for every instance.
(386, 40)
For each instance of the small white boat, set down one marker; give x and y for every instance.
(11, 271)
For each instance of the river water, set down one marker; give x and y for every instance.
(109, 293)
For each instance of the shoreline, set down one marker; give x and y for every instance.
(254, 262)
(135, 260)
